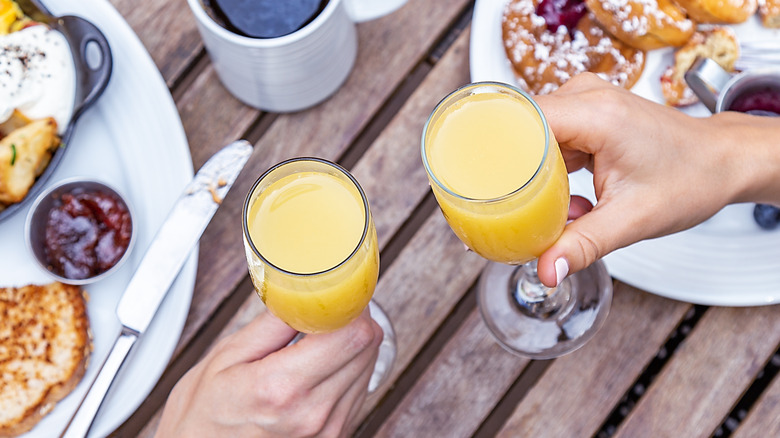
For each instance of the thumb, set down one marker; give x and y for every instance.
(584, 240)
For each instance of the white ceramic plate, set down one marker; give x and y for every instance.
(133, 139)
(727, 260)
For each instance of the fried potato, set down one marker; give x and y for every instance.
(24, 154)
(16, 121)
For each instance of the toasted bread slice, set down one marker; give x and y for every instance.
(45, 344)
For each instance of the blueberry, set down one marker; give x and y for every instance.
(766, 216)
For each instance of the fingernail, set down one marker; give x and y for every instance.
(561, 270)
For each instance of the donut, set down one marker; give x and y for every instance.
(718, 43)
(769, 11)
(644, 24)
(719, 11)
(549, 43)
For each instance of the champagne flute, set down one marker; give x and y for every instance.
(312, 250)
(500, 180)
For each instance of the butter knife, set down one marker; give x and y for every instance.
(159, 267)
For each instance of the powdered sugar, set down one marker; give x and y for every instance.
(544, 60)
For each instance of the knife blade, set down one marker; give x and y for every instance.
(159, 267)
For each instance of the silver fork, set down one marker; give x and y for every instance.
(759, 53)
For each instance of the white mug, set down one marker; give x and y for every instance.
(295, 71)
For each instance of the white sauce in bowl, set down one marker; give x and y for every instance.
(37, 75)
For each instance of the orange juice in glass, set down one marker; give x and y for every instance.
(311, 245)
(497, 173)
(494, 147)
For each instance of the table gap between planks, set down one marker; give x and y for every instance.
(658, 368)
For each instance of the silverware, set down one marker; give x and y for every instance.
(757, 54)
(159, 267)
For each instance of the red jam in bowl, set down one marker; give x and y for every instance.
(87, 233)
(759, 99)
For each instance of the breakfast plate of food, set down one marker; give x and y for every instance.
(88, 133)
(47, 84)
(727, 260)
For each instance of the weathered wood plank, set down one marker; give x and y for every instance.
(707, 374)
(763, 418)
(211, 116)
(578, 391)
(391, 170)
(459, 389)
(422, 287)
(167, 30)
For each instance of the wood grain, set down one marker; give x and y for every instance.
(167, 30)
(763, 418)
(391, 170)
(459, 389)
(707, 374)
(584, 386)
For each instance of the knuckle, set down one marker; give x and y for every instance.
(365, 333)
(590, 249)
(313, 424)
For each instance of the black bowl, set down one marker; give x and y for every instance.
(93, 62)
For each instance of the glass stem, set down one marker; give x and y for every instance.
(532, 296)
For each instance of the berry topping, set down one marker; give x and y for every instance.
(558, 13)
(766, 216)
(764, 99)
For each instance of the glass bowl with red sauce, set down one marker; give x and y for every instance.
(80, 230)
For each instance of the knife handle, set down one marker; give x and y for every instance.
(82, 420)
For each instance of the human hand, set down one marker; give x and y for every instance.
(253, 384)
(656, 170)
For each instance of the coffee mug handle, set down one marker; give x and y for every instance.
(707, 78)
(365, 10)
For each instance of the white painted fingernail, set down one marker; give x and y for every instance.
(561, 270)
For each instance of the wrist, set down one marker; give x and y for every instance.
(749, 149)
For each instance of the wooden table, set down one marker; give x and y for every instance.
(658, 368)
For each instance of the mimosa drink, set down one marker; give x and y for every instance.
(312, 248)
(493, 148)
(501, 182)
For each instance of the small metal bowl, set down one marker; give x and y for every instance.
(35, 226)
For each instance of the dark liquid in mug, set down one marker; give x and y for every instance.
(763, 98)
(264, 18)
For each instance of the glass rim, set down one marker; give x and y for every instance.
(337, 167)
(475, 85)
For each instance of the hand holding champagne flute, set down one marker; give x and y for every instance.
(312, 249)
(499, 178)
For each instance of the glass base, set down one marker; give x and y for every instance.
(387, 349)
(550, 326)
